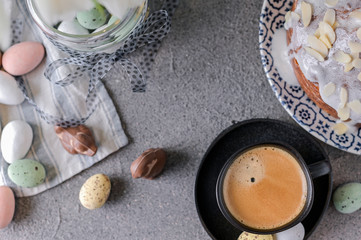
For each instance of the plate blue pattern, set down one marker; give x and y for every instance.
(294, 100)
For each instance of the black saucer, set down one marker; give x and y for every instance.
(246, 133)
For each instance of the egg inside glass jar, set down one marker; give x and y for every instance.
(88, 25)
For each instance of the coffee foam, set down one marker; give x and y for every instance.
(250, 169)
(265, 188)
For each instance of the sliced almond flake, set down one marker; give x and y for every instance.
(326, 29)
(348, 67)
(331, 3)
(291, 17)
(314, 54)
(306, 9)
(317, 33)
(295, 16)
(355, 106)
(359, 76)
(318, 45)
(335, 25)
(342, 57)
(330, 17)
(288, 16)
(343, 97)
(355, 47)
(357, 63)
(358, 33)
(326, 41)
(355, 55)
(343, 113)
(329, 89)
(355, 14)
(340, 128)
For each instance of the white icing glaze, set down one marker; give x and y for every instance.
(330, 70)
(280, 57)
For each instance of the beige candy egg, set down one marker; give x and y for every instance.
(95, 191)
(251, 236)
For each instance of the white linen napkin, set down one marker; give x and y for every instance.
(60, 101)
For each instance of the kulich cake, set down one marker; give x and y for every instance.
(324, 38)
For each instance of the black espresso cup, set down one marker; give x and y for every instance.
(267, 188)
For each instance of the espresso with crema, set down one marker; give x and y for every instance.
(265, 188)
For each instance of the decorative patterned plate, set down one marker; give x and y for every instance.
(293, 98)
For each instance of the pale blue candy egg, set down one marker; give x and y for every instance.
(92, 19)
(347, 197)
(294, 233)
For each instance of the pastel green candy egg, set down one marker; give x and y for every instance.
(347, 197)
(92, 19)
(112, 20)
(26, 173)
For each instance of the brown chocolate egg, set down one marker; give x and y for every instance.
(149, 165)
(77, 140)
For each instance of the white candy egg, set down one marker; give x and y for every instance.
(16, 140)
(72, 27)
(295, 233)
(5, 26)
(10, 94)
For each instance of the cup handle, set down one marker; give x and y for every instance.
(319, 169)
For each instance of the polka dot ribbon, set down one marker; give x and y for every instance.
(147, 35)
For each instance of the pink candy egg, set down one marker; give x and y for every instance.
(23, 57)
(7, 206)
(1, 57)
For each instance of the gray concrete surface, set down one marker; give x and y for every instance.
(207, 74)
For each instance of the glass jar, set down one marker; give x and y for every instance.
(107, 40)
